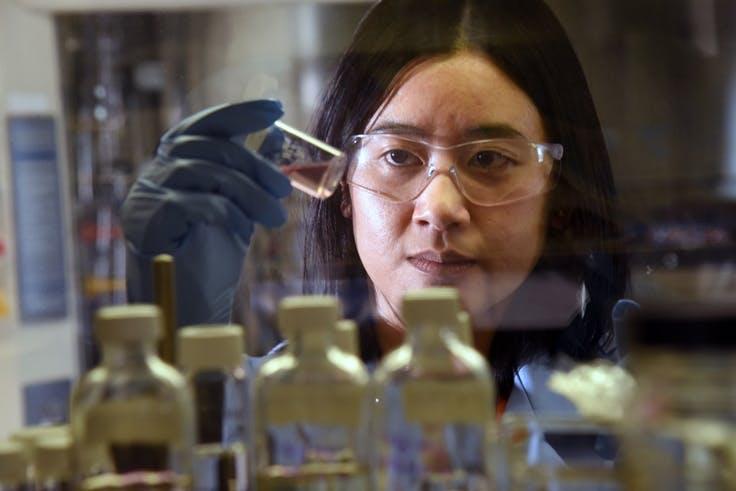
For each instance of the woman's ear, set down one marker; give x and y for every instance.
(346, 205)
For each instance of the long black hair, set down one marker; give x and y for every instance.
(525, 40)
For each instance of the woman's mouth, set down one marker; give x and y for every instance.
(441, 263)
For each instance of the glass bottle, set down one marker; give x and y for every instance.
(311, 407)
(52, 459)
(131, 417)
(680, 432)
(14, 472)
(211, 359)
(30, 436)
(434, 402)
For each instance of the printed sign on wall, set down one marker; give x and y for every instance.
(37, 210)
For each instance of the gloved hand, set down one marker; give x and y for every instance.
(198, 200)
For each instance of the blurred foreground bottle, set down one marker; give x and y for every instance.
(211, 358)
(311, 407)
(53, 463)
(131, 417)
(14, 467)
(681, 430)
(435, 403)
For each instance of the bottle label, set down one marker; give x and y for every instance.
(317, 404)
(135, 421)
(447, 402)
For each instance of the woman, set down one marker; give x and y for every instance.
(436, 76)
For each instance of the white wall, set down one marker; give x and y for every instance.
(29, 84)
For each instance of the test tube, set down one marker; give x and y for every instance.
(312, 166)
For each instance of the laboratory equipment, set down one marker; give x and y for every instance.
(131, 417)
(681, 427)
(435, 403)
(29, 438)
(529, 448)
(311, 407)
(14, 472)
(211, 359)
(313, 166)
(52, 460)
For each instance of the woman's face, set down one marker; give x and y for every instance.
(440, 238)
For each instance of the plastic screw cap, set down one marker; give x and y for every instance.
(30, 435)
(346, 336)
(52, 458)
(212, 347)
(123, 323)
(436, 306)
(308, 312)
(13, 463)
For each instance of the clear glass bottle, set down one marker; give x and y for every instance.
(52, 458)
(435, 412)
(311, 407)
(211, 359)
(680, 433)
(14, 468)
(131, 417)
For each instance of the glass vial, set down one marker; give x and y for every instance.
(52, 458)
(211, 359)
(311, 407)
(131, 417)
(434, 403)
(680, 432)
(14, 468)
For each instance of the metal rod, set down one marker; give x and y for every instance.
(164, 292)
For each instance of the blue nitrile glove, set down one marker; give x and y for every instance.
(198, 200)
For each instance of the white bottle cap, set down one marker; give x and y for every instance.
(346, 336)
(308, 313)
(210, 347)
(128, 323)
(52, 458)
(30, 435)
(13, 463)
(465, 330)
(436, 306)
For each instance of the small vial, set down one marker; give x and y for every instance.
(53, 463)
(311, 407)
(14, 468)
(312, 166)
(131, 417)
(29, 437)
(211, 359)
(435, 411)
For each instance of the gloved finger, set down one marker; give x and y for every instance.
(213, 210)
(202, 176)
(228, 120)
(235, 157)
(273, 145)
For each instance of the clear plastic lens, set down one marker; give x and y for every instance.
(488, 172)
(312, 166)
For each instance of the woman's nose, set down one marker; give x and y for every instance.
(441, 205)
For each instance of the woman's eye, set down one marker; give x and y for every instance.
(490, 160)
(401, 157)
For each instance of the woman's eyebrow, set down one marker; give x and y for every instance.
(500, 130)
(398, 128)
(493, 130)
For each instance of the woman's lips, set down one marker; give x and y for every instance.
(441, 264)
